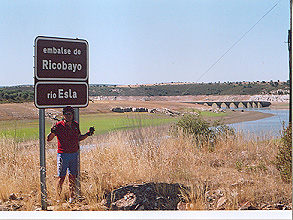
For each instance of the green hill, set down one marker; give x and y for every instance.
(178, 89)
(25, 93)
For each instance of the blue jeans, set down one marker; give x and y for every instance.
(67, 161)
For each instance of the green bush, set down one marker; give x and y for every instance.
(284, 155)
(194, 124)
(203, 132)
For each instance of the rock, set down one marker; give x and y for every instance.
(128, 109)
(117, 109)
(15, 207)
(221, 202)
(140, 109)
(247, 206)
(182, 206)
(4, 208)
(127, 201)
(13, 197)
(149, 196)
(287, 207)
(269, 207)
(51, 208)
(152, 110)
(279, 206)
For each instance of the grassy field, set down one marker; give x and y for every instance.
(20, 130)
(109, 122)
(29, 129)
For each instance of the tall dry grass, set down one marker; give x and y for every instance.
(241, 168)
(19, 171)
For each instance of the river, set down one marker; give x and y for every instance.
(270, 126)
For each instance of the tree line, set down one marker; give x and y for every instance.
(16, 96)
(180, 89)
(26, 93)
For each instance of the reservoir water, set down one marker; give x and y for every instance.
(270, 126)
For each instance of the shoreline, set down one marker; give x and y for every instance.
(24, 111)
(238, 116)
(279, 105)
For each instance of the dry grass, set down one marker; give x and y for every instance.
(240, 169)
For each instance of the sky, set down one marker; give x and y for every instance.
(152, 41)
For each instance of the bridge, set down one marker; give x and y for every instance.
(236, 104)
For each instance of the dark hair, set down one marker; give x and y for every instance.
(68, 109)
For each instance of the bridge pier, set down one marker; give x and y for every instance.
(236, 104)
(228, 104)
(246, 104)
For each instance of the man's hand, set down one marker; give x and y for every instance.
(91, 131)
(53, 128)
(52, 134)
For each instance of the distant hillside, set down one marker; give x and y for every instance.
(179, 89)
(16, 94)
(26, 93)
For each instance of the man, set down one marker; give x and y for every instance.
(68, 136)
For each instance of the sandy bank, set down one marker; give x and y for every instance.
(238, 116)
(280, 105)
(20, 111)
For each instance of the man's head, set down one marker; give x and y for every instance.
(68, 113)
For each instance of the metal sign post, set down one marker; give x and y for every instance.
(290, 38)
(61, 79)
(77, 180)
(290, 41)
(42, 158)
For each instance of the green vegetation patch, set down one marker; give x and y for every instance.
(109, 122)
(284, 156)
(20, 129)
(213, 114)
(29, 129)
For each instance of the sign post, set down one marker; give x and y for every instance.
(77, 180)
(42, 158)
(61, 79)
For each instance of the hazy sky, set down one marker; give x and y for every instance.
(152, 41)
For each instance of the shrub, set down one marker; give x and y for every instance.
(202, 131)
(284, 155)
(194, 124)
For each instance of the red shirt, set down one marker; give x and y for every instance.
(67, 137)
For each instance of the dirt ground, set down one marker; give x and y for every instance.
(20, 111)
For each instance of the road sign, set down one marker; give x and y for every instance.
(61, 59)
(61, 72)
(61, 94)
